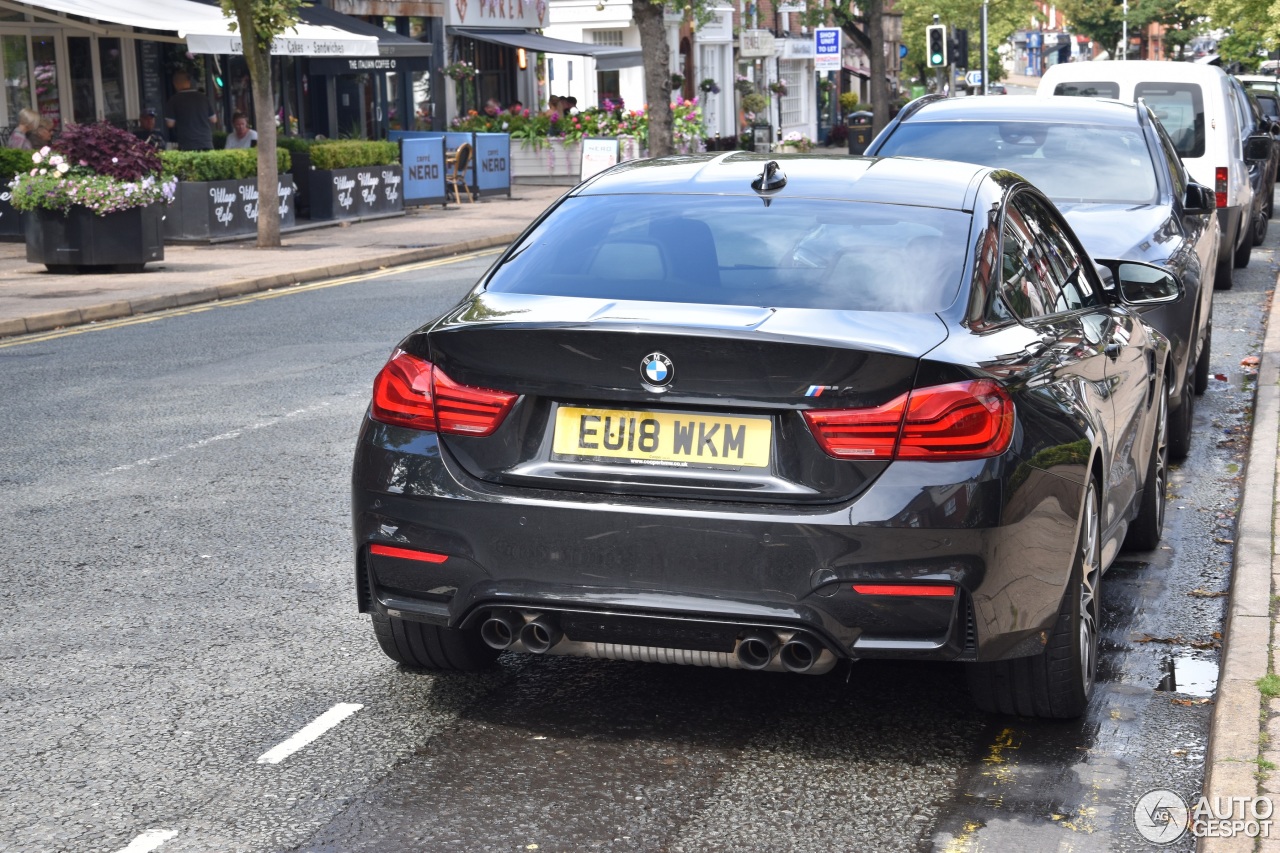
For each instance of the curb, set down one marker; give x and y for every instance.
(145, 305)
(1234, 744)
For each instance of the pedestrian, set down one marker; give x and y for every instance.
(492, 107)
(28, 120)
(241, 136)
(516, 108)
(188, 116)
(148, 132)
(42, 133)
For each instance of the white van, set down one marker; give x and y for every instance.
(1198, 106)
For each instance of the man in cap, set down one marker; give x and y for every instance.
(147, 130)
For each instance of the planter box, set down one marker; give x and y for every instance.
(559, 163)
(208, 210)
(352, 193)
(13, 224)
(126, 239)
(299, 170)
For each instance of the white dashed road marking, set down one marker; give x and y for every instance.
(309, 732)
(148, 841)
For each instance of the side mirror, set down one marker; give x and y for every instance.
(1199, 199)
(1140, 284)
(1257, 148)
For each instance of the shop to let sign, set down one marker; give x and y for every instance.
(826, 49)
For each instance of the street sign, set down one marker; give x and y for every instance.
(826, 49)
(755, 44)
(973, 78)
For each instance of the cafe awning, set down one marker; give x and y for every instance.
(607, 58)
(204, 28)
(391, 45)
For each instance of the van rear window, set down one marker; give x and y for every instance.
(1088, 90)
(1180, 108)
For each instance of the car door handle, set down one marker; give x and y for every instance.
(1113, 351)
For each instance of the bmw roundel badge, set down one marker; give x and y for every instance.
(657, 370)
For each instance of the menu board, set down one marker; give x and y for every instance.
(150, 69)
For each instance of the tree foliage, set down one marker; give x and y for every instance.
(1253, 28)
(259, 22)
(1103, 22)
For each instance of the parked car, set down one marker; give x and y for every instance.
(1262, 173)
(1266, 89)
(1113, 172)
(997, 89)
(1198, 107)
(772, 415)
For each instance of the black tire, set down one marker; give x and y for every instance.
(1244, 251)
(1202, 363)
(1180, 422)
(1271, 204)
(1260, 223)
(1223, 277)
(1057, 683)
(421, 646)
(1145, 531)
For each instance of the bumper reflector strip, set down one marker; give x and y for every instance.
(904, 589)
(407, 554)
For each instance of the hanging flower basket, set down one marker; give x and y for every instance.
(742, 85)
(778, 87)
(709, 87)
(460, 71)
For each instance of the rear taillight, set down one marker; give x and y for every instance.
(961, 420)
(1220, 185)
(921, 590)
(411, 392)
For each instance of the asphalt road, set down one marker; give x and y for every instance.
(178, 607)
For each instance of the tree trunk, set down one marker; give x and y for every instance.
(258, 59)
(657, 74)
(874, 10)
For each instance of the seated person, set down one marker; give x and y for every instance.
(147, 131)
(241, 136)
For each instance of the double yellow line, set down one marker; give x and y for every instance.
(284, 290)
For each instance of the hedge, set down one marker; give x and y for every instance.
(353, 154)
(294, 144)
(13, 161)
(236, 164)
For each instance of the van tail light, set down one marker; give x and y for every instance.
(412, 392)
(956, 421)
(1220, 175)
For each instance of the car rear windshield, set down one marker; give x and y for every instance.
(1068, 162)
(743, 250)
(1180, 108)
(1088, 90)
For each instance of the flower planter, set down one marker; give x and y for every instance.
(209, 210)
(559, 162)
(13, 223)
(353, 193)
(126, 239)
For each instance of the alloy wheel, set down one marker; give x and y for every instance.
(1090, 575)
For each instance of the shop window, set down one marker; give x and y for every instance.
(44, 54)
(17, 75)
(111, 67)
(607, 87)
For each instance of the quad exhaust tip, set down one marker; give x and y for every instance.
(501, 628)
(799, 654)
(756, 649)
(540, 634)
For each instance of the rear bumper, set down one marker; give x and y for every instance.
(704, 563)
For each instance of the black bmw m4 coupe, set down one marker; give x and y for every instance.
(774, 414)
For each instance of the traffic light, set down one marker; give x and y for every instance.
(936, 41)
(958, 48)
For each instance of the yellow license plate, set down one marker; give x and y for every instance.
(678, 439)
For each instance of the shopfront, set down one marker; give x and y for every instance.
(77, 61)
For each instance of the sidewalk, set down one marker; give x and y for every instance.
(33, 300)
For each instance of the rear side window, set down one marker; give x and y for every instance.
(1180, 108)
(736, 250)
(1088, 90)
